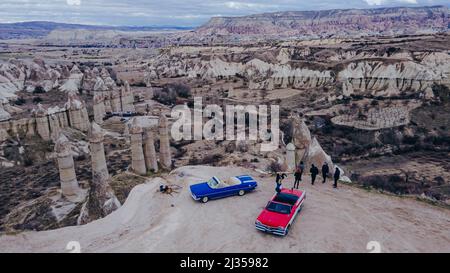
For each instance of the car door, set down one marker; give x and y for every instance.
(297, 207)
(228, 191)
(225, 190)
(233, 190)
(219, 192)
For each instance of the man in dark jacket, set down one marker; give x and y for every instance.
(337, 175)
(314, 172)
(278, 180)
(298, 175)
(325, 171)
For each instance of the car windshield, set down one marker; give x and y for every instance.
(279, 208)
(213, 183)
(286, 198)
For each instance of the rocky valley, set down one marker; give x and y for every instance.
(86, 117)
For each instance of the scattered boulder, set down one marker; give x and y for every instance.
(3, 114)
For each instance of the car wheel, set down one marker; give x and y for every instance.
(241, 192)
(205, 199)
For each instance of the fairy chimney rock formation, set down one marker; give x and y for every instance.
(107, 101)
(290, 157)
(101, 200)
(100, 85)
(308, 147)
(301, 136)
(151, 161)
(42, 123)
(108, 82)
(165, 156)
(99, 108)
(137, 153)
(116, 104)
(96, 137)
(317, 156)
(78, 116)
(127, 98)
(69, 184)
(55, 128)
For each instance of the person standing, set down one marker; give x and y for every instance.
(278, 180)
(302, 168)
(298, 174)
(297, 177)
(314, 172)
(337, 175)
(325, 171)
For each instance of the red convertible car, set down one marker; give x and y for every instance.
(280, 212)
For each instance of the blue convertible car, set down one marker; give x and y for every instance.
(216, 188)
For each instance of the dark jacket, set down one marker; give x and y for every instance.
(278, 181)
(280, 177)
(337, 174)
(298, 173)
(301, 167)
(314, 171)
(325, 169)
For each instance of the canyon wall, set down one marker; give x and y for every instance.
(326, 23)
(38, 76)
(353, 72)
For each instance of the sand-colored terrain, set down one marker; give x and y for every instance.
(342, 220)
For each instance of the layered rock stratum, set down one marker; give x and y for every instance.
(326, 23)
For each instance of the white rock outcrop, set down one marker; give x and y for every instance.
(101, 200)
(78, 116)
(73, 83)
(69, 184)
(4, 116)
(307, 147)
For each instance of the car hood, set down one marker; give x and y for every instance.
(200, 189)
(273, 219)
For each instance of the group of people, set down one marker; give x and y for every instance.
(299, 170)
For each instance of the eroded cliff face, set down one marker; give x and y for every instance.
(29, 76)
(12, 79)
(326, 23)
(379, 73)
(388, 79)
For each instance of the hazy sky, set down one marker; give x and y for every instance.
(170, 12)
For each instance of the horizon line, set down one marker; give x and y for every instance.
(200, 24)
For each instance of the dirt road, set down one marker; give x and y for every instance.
(342, 220)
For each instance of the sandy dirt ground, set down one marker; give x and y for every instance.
(342, 220)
